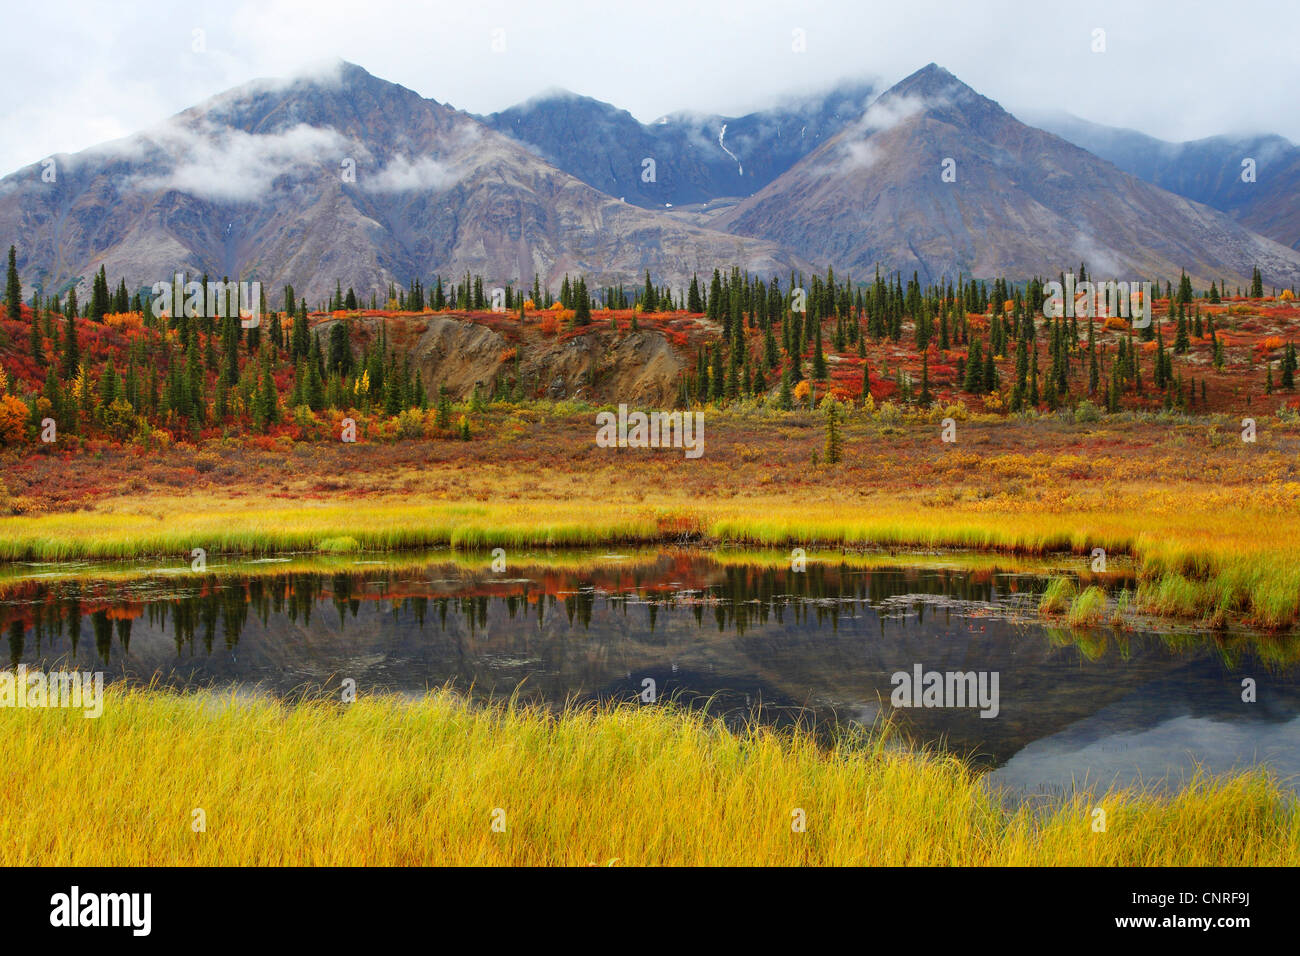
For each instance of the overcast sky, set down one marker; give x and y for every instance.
(77, 73)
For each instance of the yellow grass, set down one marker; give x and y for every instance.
(1214, 548)
(387, 781)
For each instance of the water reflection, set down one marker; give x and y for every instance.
(756, 642)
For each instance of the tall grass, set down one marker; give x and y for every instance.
(1058, 596)
(1196, 558)
(389, 781)
(1087, 608)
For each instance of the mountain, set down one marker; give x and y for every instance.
(1023, 201)
(697, 157)
(1208, 170)
(338, 176)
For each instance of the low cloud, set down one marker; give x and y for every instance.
(885, 114)
(856, 146)
(404, 175)
(230, 165)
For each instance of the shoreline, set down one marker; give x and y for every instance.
(1260, 591)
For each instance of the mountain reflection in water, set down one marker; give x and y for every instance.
(749, 641)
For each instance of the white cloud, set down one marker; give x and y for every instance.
(856, 147)
(224, 164)
(885, 114)
(404, 175)
(108, 70)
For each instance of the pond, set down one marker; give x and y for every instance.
(950, 647)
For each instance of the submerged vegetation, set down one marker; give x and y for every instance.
(438, 781)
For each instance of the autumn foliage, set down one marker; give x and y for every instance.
(13, 420)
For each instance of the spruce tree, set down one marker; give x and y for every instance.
(834, 441)
(340, 351)
(71, 351)
(819, 357)
(1181, 341)
(582, 302)
(300, 338)
(648, 296)
(1022, 370)
(99, 296)
(693, 301)
(37, 340)
(13, 289)
(1033, 381)
(52, 391)
(443, 419)
(974, 368)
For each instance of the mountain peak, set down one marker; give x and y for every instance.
(570, 110)
(934, 92)
(932, 81)
(553, 94)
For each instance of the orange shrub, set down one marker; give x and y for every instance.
(13, 420)
(1271, 343)
(122, 321)
(550, 324)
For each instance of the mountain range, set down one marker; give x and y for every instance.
(696, 157)
(937, 179)
(1211, 171)
(339, 176)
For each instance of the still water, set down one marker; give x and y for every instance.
(826, 647)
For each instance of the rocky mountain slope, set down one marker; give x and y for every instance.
(696, 157)
(1208, 170)
(939, 179)
(338, 177)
